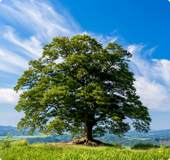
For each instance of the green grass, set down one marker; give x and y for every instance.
(21, 150)
(19, 137)
(13, 145)
(127, 147)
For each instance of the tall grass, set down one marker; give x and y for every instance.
(7, 146)
(75, 152)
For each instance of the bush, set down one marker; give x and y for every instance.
(144, 146)
(20, 143)
(117, 145)
(5, 143)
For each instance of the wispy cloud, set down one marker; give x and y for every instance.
(10, 62)
(41, 18)
(101, 38)
(162, 68)
(9, 96)
(153, 94)
(38, 18)
(32, 46)
(44, 22)
(41, 22)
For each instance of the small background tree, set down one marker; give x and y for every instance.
(89, 93)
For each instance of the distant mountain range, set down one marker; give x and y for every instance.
(4, 130)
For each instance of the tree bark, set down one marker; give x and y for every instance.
(88, 131)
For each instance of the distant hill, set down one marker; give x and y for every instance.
(4, 130)
(150, 134)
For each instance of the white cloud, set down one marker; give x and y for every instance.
(150, 51)
(149, 74)
(111, 39)
(153, 95)
(41, 21)
(10, 61)
(32, 45)
(140, 65)
(101, 39)
(135, 48)
(9, 96)
(0, 0)
(41, 18)
(162, 69)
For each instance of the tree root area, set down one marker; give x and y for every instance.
(92, 142)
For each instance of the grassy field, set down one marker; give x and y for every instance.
(21, 150)
(33, 136)
(127, 147)
(23, 137)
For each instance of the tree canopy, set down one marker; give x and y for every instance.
(89, 93)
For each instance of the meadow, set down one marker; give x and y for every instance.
(22, 150)
(23, 137)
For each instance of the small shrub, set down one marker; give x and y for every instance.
(117, 145)
(163, 147)
(108, 144)
(20, 143)
(144, 146)
(5, 143)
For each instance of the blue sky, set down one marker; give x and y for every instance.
(141, 27)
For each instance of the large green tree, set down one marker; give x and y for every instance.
(89, 93)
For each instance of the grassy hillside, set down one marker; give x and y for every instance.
(23, 151)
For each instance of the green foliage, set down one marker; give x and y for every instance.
(91, 88)
(118, 146)
(20, 143)
(107, 144)
(145, 146)
(5, 143)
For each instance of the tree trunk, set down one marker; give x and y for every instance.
(88, 131)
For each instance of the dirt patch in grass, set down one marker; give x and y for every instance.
(83, 142)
